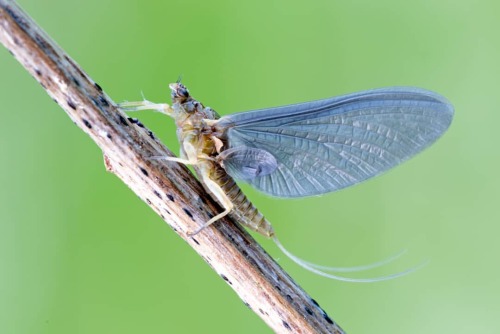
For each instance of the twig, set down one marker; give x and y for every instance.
(168, 188)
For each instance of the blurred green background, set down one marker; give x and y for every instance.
(80, 253)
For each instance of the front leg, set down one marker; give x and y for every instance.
(175, 159)
(146, 105)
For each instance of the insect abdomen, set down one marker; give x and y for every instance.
(244, 211)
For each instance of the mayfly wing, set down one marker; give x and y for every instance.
(248, 163)
(326, 145)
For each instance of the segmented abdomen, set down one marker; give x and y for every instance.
(244, 212)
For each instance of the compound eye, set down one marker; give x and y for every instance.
(182, 91)
(179, 91)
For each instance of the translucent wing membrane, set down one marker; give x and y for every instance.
(330, 144)
(248, 163)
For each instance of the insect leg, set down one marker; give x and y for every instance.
(174, 159)
(189, 153)
(146, 105)
(221, 197)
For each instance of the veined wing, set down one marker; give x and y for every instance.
(330, 144)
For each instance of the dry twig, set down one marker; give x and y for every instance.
(168, 188)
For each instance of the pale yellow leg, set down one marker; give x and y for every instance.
(189, 154)
(223, 200)
(146, 105)
(212, 186)
(175, 159)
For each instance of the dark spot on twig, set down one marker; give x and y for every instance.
(71, 104)
(157, 194)
(148, 201)
(97, 86)
(87, 123)
(103, 101)
(76, 82)
(170, 197)
(196, 242)
(145, 172)
(122, 120)
(226, 279)
(16, 42)
(315, 302)
(151, 134)
(308, 310)
(162, 216)
(289, 298)
(327, 318)
(247, 305)
(100, 101)
(286, 325)
(277, 288)
(55, 100)
(261, 311)
(188, 213)
(135, 121)
(109, 136)
(38, 72)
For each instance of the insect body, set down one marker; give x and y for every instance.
(201, 146)
(303, 149)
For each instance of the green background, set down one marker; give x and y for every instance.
(80, 253)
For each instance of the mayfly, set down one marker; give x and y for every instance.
(303, 149)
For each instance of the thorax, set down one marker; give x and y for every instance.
(194, 134)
